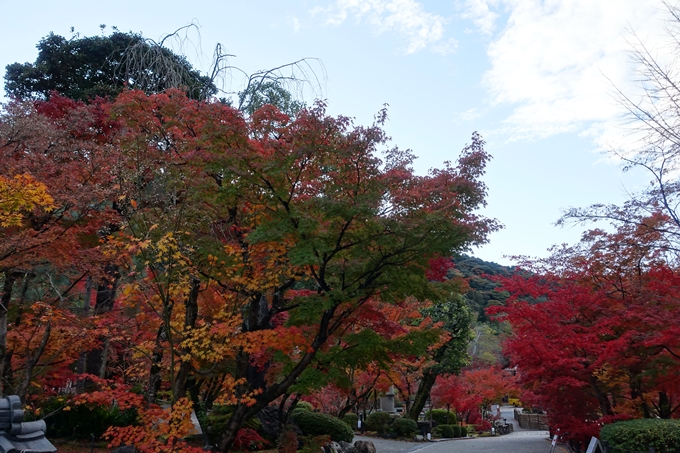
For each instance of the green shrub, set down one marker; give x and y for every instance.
(447, 431)
(318, 424)
(304, 405)
(404, 427)
(351, 419)
(81, 421)
(640, 435)
(379, 422)
(436, 432)
(218, 418)
(439, 416)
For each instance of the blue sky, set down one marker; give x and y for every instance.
(534, 77)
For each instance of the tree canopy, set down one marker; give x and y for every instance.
(198, 254)
(84, 68)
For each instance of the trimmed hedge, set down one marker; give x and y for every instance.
(448, 431)
(351, 419)
(380, 422)
(317, 424)
(404, 427)
(640, 435)
(439, 416)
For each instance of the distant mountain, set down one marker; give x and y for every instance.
(483, 291)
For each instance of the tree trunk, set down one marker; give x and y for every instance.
(154, 384)
(7, 372)
(5, 299)
(423, 393)
(95, 362)
(664, 406)
(243, 411)
(191, 309)
(82, 359)
(32, 360)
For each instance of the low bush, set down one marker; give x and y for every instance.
(81, 421)
(442, 417)
(404, 427)
(640, 435)
(351, 420)
(447, 431)
(379, 422)
(319, 424)
(247, 439)
(216, 422)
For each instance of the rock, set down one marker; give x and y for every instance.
(364, 446)
(346, 447)
(125, 449)
(419, 438)
(269, 418)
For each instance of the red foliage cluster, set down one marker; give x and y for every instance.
(596, 337)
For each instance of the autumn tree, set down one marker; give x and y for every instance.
(594, 335)
(51, 225)
(297, 221)
(473, 390)
(249, 250)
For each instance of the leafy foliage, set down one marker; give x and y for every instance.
(641, 435)
(247, 439)
(19, 195)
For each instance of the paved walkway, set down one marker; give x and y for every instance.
(520, 441)
(517, 442)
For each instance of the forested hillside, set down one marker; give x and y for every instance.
(483, 289)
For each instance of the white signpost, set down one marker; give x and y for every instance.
(594, 446)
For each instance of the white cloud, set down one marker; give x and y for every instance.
(479, 12)
(405, 17)
(295, 24)
(554, 61)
